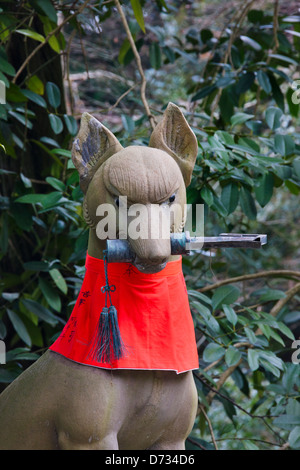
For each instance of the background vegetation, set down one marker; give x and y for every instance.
(233, 68)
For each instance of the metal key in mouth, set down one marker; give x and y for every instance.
(119, 251)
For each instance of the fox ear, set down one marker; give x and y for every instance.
(174, 136)
(93, 145)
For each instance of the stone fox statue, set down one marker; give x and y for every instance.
(144, 396)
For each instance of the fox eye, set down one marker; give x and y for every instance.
(172, 198)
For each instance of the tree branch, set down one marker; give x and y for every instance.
(227, 373)
(139, 64)
(247, 277)
(281, 302)
(47, 38)
(209, 425)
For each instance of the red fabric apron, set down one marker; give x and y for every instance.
(153, 314)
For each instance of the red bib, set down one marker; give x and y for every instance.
(153, 314)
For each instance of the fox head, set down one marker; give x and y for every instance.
(155, 177)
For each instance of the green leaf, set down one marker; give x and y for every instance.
(26, 181)
(10, 296)
(264, 81)
(293, 187)
(30, 198)
(53, 41)
(49, 10)
(277, 338)
(277, 93)
(47, 200)
(50, 295)
(128, 123)
(51, 199)
(266, 330)
(213, 352)
(273, 116)
(285, 330)
(124, 51)
(36, 266)
(272, 294)
(22, 119)
(225, 137)
(53, 93)
(256, 16)
(41, 312)
(270, 357)
(4, 79)
(251, 42)
(63, 152)
(8, 375)
(6, 67)
(264, 190)
(250, 335)
(230, 314)
(31, 34)
(56, 123)
(35, 84)
(138, 13)
(55, 183)
(284, 58)
(20, 354)
(292, 102)
(19, 326)
(59, 280)
(232, 356)
(247, 203)
(294, 438)
(240, 118)
(37, 99)
(230, 197)
(207, 316)
(207, 196)
(169, 53)
(290, 377)
(71, 124)
(224, 295)
(200, 296)
(155, 55)
(296, 167)
(49, 141)
(219, 207)
(284, 144)
(245, 82)
(285, 421)
(253, 356)
(203, 92)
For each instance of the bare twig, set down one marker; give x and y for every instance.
(121, 97)
(246, 277)
(47, 38)
(237, 345)
(68, 50)
(227, 373)
(275, 26)
(195, 443)
(139, 64)
(281, 302)
(227, 55)
(249, 439)
(209, 425)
